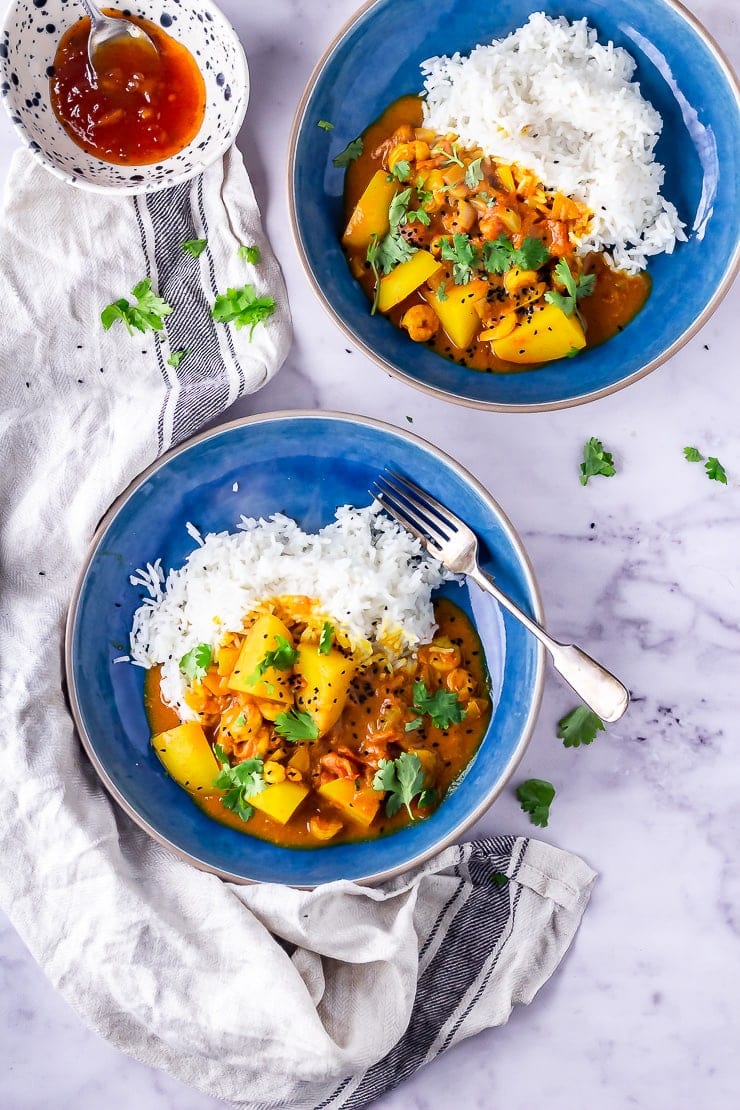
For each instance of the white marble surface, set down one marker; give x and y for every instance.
(642, 569)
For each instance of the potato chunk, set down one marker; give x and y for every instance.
(359, 805)
(273, 684)
(370, 216)
(457, 312)
(405, 278)
(187, 757)
(326, 682)
(546, 335)
(280, 800)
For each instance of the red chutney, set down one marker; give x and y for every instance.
(140, 107)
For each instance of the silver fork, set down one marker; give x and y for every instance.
(450, 540)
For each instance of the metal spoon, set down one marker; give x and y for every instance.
(104, 29)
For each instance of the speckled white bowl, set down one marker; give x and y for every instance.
(28, 42)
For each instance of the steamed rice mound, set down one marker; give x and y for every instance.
(372, 579)
(552, 99)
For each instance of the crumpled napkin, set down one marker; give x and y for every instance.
(265, 996)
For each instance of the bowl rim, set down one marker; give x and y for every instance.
(252, 421)
(139, 188)
(718, 296)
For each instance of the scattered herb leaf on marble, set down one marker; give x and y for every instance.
(692, 454)
(579, 727)
(715, 470)
(250, 253)
(596, 461)
(242, 307)
(352, 151)
(195, 246)
(535, 797)
(147, 314)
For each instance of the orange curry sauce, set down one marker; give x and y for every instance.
(360, 729)
(140, 107)
(616, 299)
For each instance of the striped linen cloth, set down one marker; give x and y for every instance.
(263, 996)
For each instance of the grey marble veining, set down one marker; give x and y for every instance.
(644, 570)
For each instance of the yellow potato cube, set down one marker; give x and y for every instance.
(370, 216)
(273, 684)
(405, 278)
(547, 334)
(457, 312)
(187, 757)
(279, 800)
(326, 681)
(359, 805)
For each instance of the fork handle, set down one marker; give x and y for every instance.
(595, 685)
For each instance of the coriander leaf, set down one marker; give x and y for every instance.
(401, 171)
(497, 255)
(573, 352)
(441, 291)
(596, 461)
(579, 727)
(411, 726)
(240, 783)
(398, 208)
(535, 797)
(473, 173)
(242, 307)
(499, 879)
(531, 255)
(176, 357)
(280, 658)
(195, 246)
(196, 662)
(692, 454)
(443, 706)
(326, 639)
(423, 196)
(240, 721)
(296, 725)
(146, 315)
(452, 157)
(463, 253)
(419, 215)
(427, 798)
(715, 470)
(250, 253)
(403, 778)
(371, 256)
(325, 125)
(583, 287)
(352, 151)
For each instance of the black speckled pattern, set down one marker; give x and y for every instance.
(28, 42)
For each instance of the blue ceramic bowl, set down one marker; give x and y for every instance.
(305, 465)
(375, 59)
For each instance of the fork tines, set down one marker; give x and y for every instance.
(414, 508)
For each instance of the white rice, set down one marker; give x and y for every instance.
(371, 577)
(552, 99)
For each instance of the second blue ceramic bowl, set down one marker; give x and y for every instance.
(375, 59)
(304, 465)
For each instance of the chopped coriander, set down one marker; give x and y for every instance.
(352, 151)
(240, 721)
(596, 461)
(423, 196)
(196, 662)
(280, 658)
(242, 307)
(463, 254)
(419, 215)
(325, 125)
(692, 454)
(398, 208)
(441, 291)
(240, 783)
(401, 171)
(573, 352)
(402, 778)
(499, 879)
(427, 798)
(579, 727)
(195, 246)
(535, 797)
(715, 470)
(411, 726)
(296, 725)
(146, 315)
(473, 173)
(501, 255)
(326, 639)
(250, 253)
(443, 706)
(452, 157)
(176, 357)
(583, 287)
(532, 255)
(383, 254)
